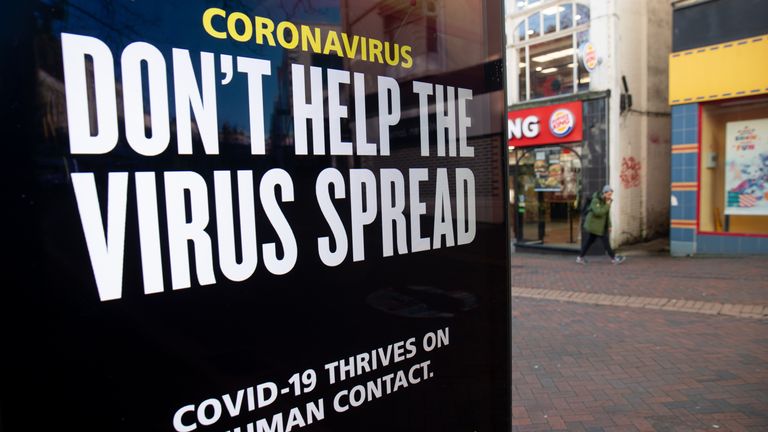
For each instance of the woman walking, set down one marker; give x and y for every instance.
(597, 224)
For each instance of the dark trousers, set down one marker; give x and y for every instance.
(591, 239)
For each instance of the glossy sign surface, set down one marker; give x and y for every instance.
(236, 216)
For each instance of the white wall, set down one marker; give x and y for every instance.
(634, 39)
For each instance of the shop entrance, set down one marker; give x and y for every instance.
(546, 182)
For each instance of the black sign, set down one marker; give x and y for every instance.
(255, 216)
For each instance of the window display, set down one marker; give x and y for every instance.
(733, 167)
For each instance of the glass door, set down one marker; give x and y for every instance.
(547, 187)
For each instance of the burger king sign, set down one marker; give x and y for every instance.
(550, 124)
(561, 123)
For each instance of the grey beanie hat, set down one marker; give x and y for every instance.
(607, 188)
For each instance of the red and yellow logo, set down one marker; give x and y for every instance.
(561, 122)
(589, 56)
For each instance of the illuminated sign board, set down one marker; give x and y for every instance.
(551, 124)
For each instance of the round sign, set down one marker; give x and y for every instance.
(589, 56)
(561, 122)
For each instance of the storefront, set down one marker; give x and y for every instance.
(557, 158)
(718, 88)
(563, 52)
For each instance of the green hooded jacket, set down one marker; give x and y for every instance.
(598, 219)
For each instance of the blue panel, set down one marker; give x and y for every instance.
(691, 160)
(677, 160)
(689, 174)
(680, 248)
(708, 244)
(753, 245)
(676, 174)
(682, 160)
(677, 136)
(681, 234)
(731, 244)
(676, 212)
(691, 135)
(678, 110)
(687, 198)
(689, 212)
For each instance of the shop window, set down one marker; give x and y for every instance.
(566, 16)
(733, 167)
(551, 67)
(522, 75)
(547, 42)
(549, 19)
(582, 14)
(520, 32)
(534, 25)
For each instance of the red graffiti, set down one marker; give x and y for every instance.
(630, 172)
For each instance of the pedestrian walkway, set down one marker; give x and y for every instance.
(735, 281)
(654, 344)
(582, 368)
(709, 308)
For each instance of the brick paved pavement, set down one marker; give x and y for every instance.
(726, 280)
(755, 311)
(591, 368)
(585, 367)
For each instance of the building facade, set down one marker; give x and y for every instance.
(587, 105)
(718, 89)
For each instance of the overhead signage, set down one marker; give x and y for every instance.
(551, 124)
(246, 220)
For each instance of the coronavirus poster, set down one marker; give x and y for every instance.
(255, 216)
(746, 167)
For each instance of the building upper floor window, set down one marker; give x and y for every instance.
(545, 48)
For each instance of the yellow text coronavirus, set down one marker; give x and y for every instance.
(261, 30)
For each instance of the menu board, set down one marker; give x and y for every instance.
(548, 169)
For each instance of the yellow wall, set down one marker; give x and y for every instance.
(733, 69)
(712, 180)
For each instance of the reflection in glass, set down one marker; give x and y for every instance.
(566, 16)
(520, 32)
(534, 25)
(549, 18)
(550, 71)
(582, 14)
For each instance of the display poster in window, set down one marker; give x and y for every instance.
(746, 167)
(254, 216)
(548, 170)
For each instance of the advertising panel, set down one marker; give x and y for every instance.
(746, 167)
(551, 124)
(548, 170)
(255, 216)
